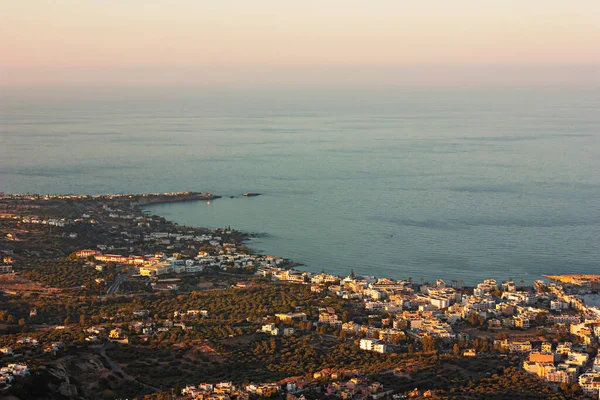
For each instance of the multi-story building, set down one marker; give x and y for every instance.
(373, 345)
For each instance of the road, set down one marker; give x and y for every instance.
(115, 367)
(112, 289)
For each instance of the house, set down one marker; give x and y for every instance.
(564, 348)
(351, 327)
(373, 345)
(391, 335)
(521, 322)
(6, 350)
(288, 331)
(546, 347)
(6, 269)
(329, 319)
(115, 333)
(271, 329)
(514, 347)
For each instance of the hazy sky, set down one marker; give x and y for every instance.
(234, 42)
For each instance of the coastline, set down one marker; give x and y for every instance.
(173, 271)
(284, 239)
(142, 200)
(292, 265)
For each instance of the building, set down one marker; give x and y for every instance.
(271, 329)
(161, 268)
(564, 319)
(470, 353)
(514, 347)
(540, 357)
(288, 331)
(439, 301)
(546, 347)
(373, 345)
(324, 278)
(291, 317)
(6, 269)
(194, 268)
(391, 335)
(87, 253)
(115, 258)
(329, 319)
(564, 348)
(521, 322)
(115, 333)
(590, 382)
(509, 286)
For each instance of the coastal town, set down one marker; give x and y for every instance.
(100, 299)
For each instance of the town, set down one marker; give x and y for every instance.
(100, 299)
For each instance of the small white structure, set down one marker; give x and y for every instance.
(271, 329)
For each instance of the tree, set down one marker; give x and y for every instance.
(541, 318)
(475, 319)
(345, 317)
(571, 390)
(82, 319)
(429, 343)
(456, 349)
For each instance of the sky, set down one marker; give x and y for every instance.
(308, 42)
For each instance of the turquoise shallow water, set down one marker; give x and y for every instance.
(457, 184)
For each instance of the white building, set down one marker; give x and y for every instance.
(271, 329)
(373, 345)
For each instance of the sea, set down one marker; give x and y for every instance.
(460, 184)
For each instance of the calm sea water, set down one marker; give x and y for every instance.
(455, 184)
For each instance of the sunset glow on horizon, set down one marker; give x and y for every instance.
(237, 42)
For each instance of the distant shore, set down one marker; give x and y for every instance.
(570, 278)
(139, 198)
